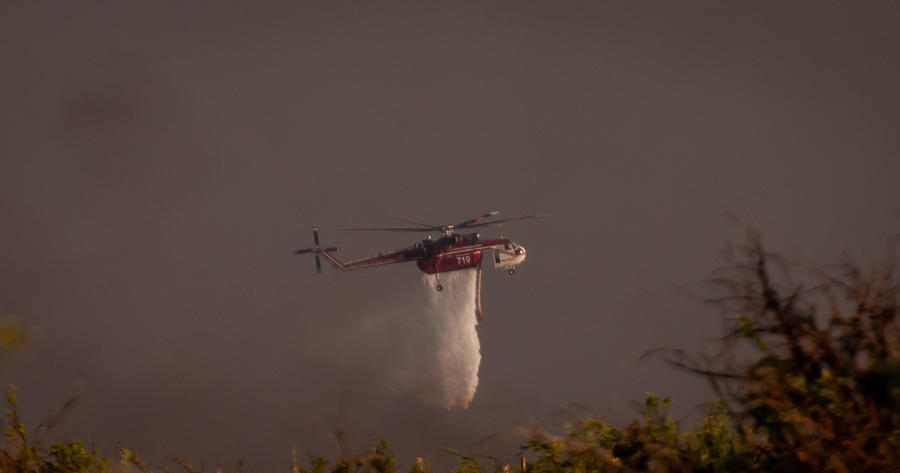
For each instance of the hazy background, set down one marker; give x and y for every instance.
(160, 161)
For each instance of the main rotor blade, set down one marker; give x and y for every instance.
(477, 219)
(390, 229)
(502, 220)
(436, 227)
(318, 264)
(311, 250)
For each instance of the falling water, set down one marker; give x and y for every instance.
(425, 347)
(439, 358)
(451, 313)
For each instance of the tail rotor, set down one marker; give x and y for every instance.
(315, 249)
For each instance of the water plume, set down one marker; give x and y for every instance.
(449, 346)
(425, 347)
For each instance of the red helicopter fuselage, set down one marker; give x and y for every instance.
(449, 253)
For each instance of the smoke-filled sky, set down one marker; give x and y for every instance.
(160, 161)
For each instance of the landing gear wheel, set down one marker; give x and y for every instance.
(511, 271)
(439, 288)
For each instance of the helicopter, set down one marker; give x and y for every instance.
(452, 251)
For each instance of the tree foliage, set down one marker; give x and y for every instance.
(20, 453)
(655, 442)
(821, 391)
